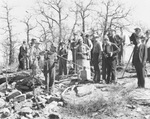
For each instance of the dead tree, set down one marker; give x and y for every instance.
(29, 27)
(8, 32)
(75, 12)
(84, 11)
(55, 8)
(114, 15)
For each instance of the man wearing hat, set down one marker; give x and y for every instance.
(23, 56)
(63, 59)
(73, 45)
(88, 42)
(111, 51)
(96, 53)
(147, 42)
(135, 35)
(139, 61)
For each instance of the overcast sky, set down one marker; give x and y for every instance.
(140, 10)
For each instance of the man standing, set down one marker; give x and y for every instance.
(73, 45)
(97, 50)
(23, 56)
(63, 59)
(139, 61)
(82, 57)
(135, 35)
(112, 36)
(50, 58)
(147, 42)
(111, 51)
(88, 42)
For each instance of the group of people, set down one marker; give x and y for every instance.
(84, 51)
(91, 50)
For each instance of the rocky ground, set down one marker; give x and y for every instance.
(73, 98)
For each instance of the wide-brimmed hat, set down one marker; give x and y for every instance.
(147, 32)
(137, 29)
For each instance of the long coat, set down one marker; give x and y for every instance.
(142, 54)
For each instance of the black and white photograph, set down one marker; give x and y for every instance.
(74, 59)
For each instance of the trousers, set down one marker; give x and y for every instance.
(111, 69)
(96, 67)
(140, 70)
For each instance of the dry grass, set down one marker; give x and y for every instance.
(116, 102)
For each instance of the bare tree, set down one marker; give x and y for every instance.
(8, 32)
(114, 15)
(29, 26)
(84, 11)
(54, 17)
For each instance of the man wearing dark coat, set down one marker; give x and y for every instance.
(110, 51)
(63, 59)
(22, 56)
(139, 61)
(135, 35)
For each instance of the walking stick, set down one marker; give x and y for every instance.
(127, 63)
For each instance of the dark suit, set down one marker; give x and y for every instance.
(22, 57)
(139, 61)
(111, 61)
(133, 38)
(62, 62)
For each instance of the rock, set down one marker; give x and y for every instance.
(24, 117)
(26, 110)
(130, 106)
(84, 90)
(13, 94)
(54, 98)
(50, 107)
(60, 103)
(18, 106)
(28, 103)
(54, 116)
(5, 113)
(2, 103)
(140, 96)
(41, 99)
(20, 98)
(3, 87)
(147, 117)
(2, 94)
(29, 95)
(29, 116)
(140, 110)
(35, 114)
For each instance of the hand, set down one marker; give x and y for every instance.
(111, 53)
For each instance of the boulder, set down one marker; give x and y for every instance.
(54, 116)
(2, 103)
(26, 110)
(84, 90)
(5, 113)
(20, 98)
(13, 94)
(2, 94)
